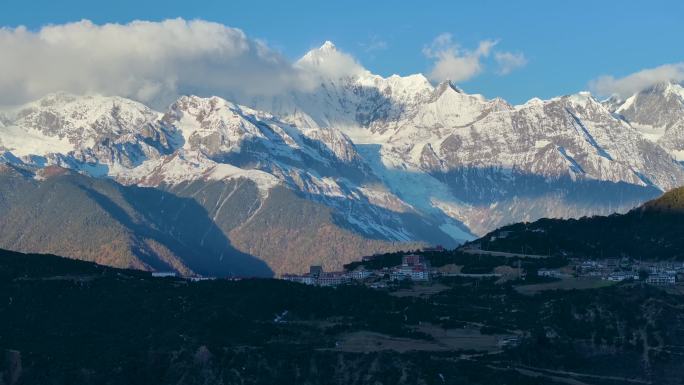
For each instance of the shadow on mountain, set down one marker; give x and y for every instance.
(184, 227)
(360, 216)
(419, 228)
(483, 186)
(503, 195)
(376, 222)
(252, 152)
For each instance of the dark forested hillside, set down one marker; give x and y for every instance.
(73, 322)
(653, 231)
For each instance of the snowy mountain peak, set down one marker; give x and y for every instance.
(414, 82)
(358, 141)
(201, 108)
(327, 46)
(583, 99)
(317, 56)
(108, 128)
(676, 89)
(658, 113)
(327, 63)
(665, 88)
(217, 127)
(447, 85)
(451, 93)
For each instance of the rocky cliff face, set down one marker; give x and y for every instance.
(488, 163)
(658, 113)
(216, 180)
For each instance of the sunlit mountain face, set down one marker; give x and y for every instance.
(384, 163)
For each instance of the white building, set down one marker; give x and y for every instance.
(554, 273)
(305, 279)
(162, 274)
(360, 274)
(622, 276)
(414, 273)
(668, 277)
(331, 279)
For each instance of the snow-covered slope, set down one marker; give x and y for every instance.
(95, 133)
(395, 159)
(658, 113)
(568, 156)
(211, 139)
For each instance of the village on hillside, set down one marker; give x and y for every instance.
(415, 267)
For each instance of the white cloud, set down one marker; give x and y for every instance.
(454, 63)
(637, 81)
(328, 62)
(152, 62)
(509, 61)
(375, 43)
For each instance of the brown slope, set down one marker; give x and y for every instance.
(670, 202)
(291, 233)
(214, 228)
(57, 215)
(101, 221)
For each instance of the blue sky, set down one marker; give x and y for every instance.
(565, 44)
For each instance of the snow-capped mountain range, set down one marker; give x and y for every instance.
(394, 159)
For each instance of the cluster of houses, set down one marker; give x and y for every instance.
(664, 273)
(413, 267)
(417, 268)
(613, 269)
(316, 276)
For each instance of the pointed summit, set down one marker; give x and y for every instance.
(329, 62)
(669, 89)
(445, 86)
(328, 46)
(318, 55)
(660, 106)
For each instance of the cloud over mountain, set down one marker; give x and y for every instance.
(328, 62)
(455, 63)
(152, 62)
(638, 81)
